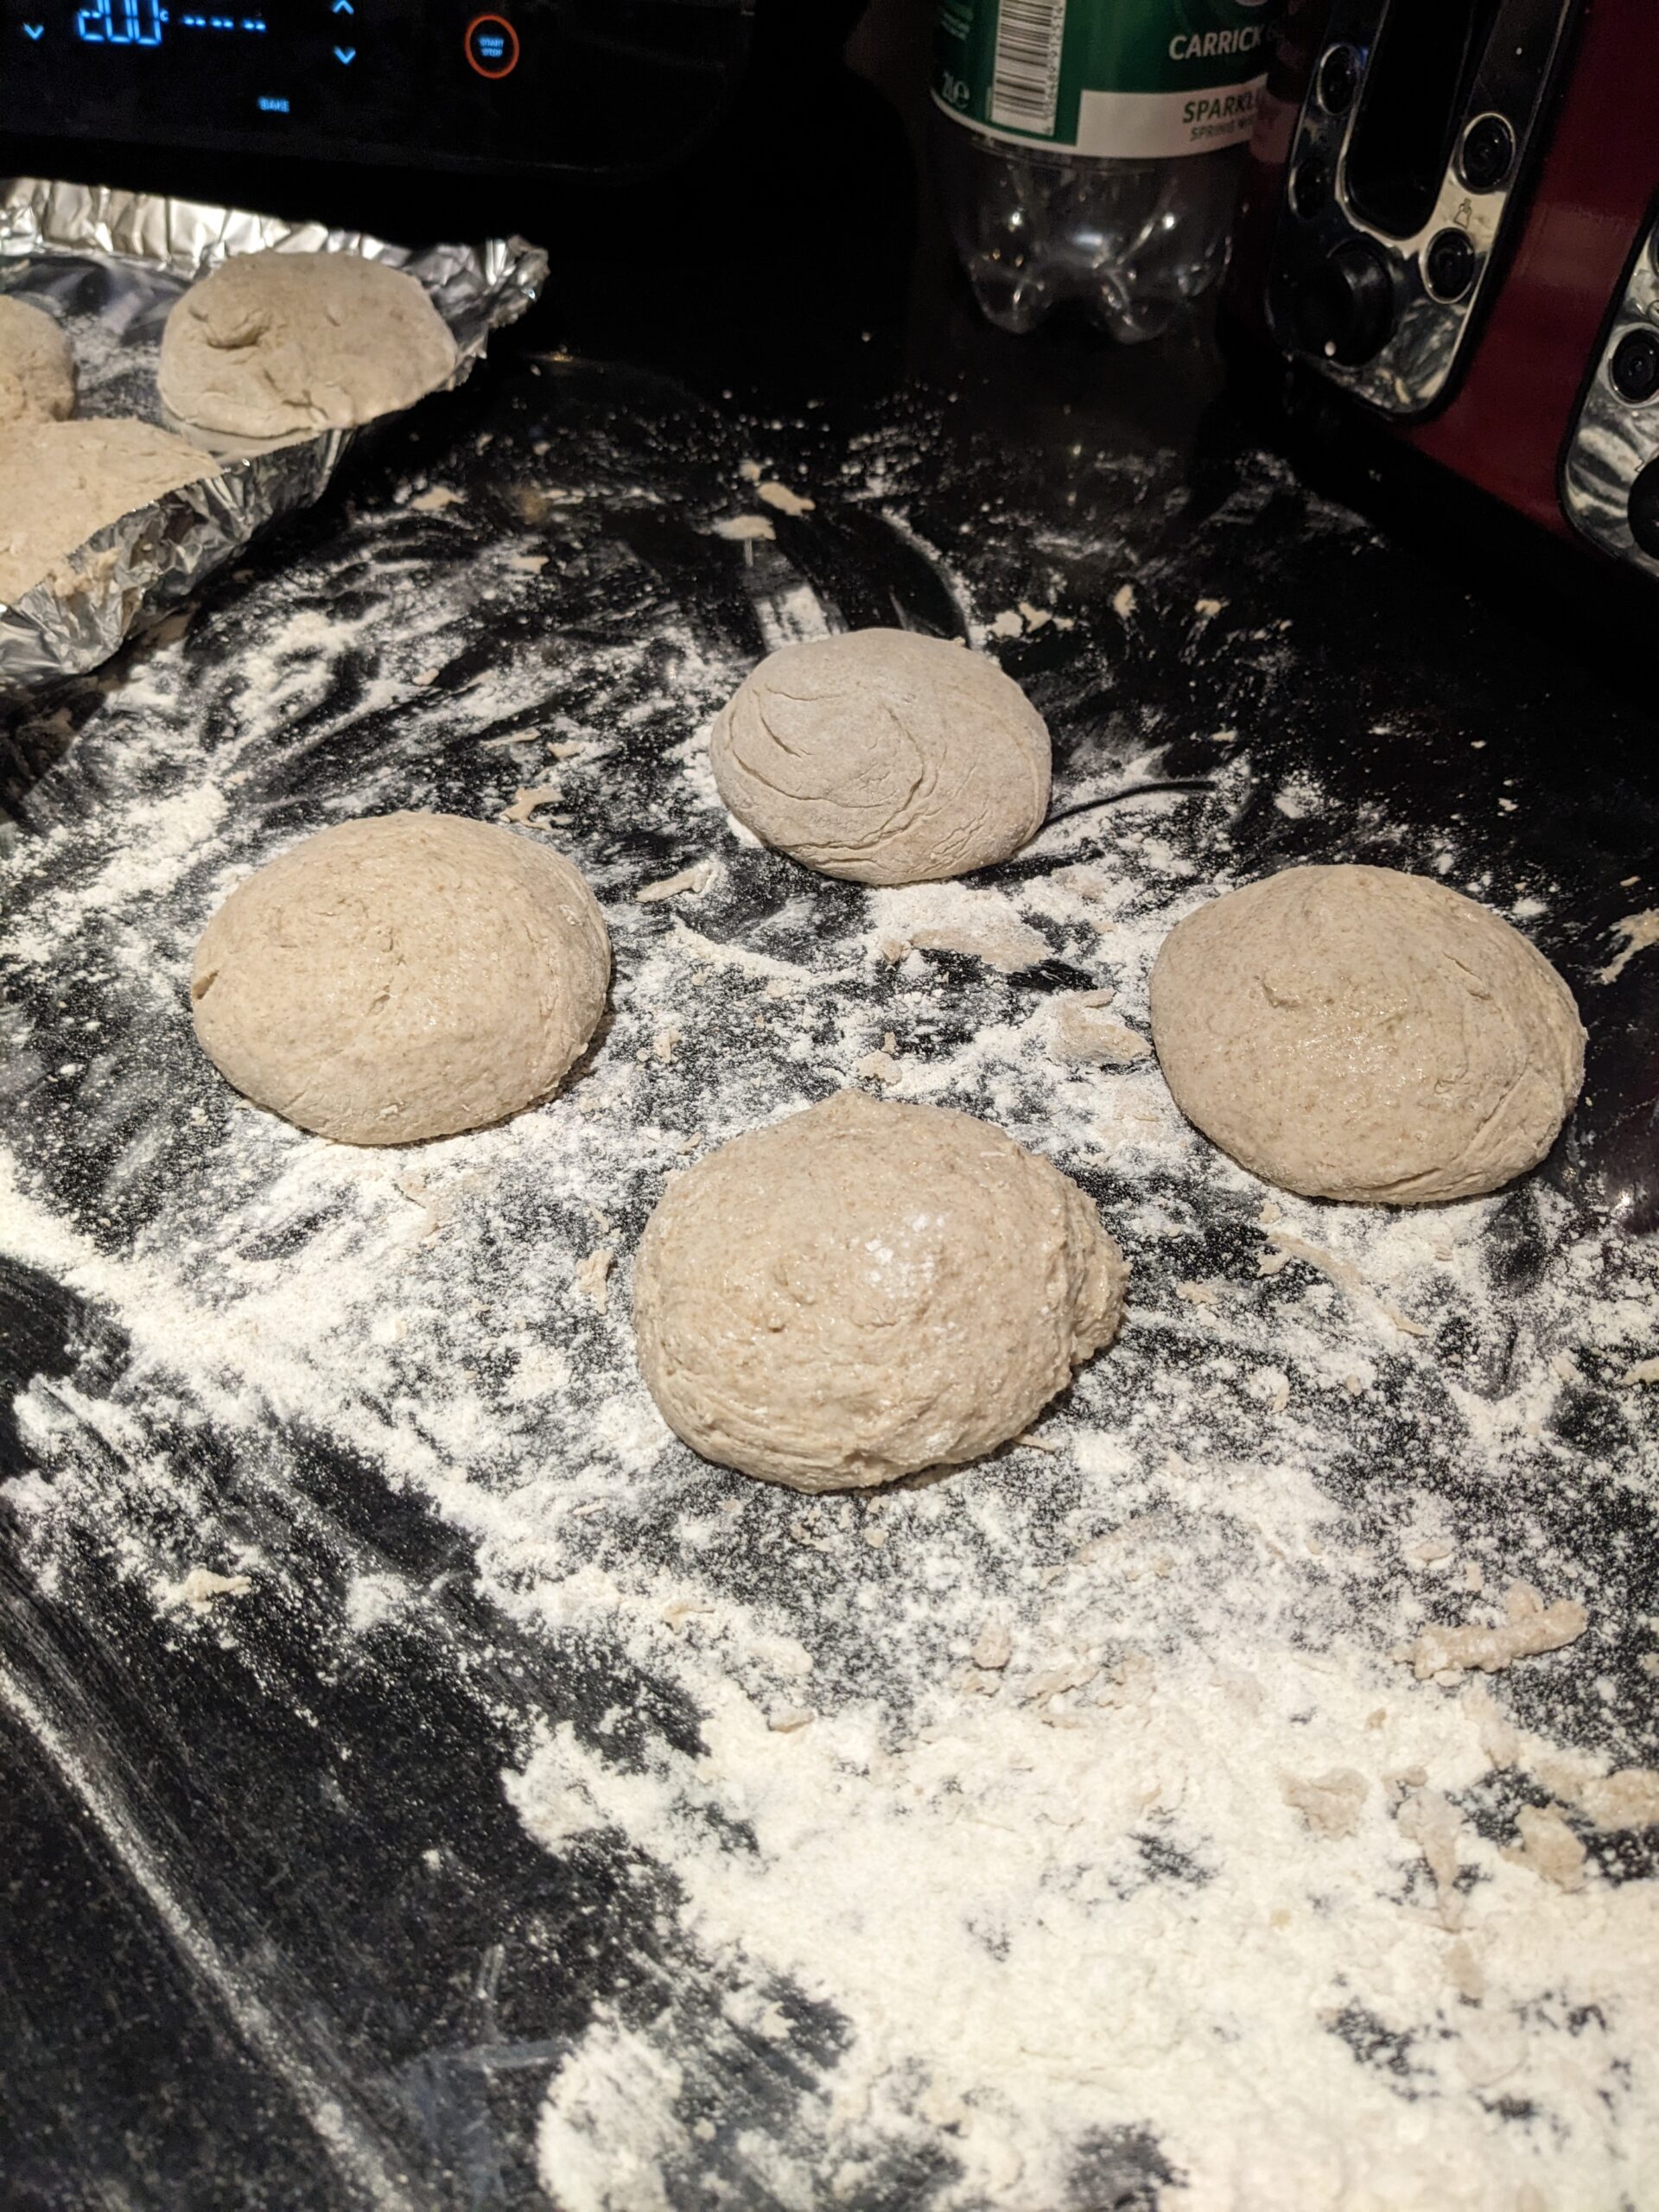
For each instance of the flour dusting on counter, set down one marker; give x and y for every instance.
(1179, 1811)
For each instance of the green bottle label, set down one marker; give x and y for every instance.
(1123, 79)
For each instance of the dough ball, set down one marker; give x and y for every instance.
(406, 976)
(1354, 1032)
(37, 366)
(884, 757)
(866, 1289)
(62, 482)
(269, 344)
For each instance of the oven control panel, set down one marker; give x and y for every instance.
(502, 85)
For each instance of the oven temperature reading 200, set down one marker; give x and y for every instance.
(122, 23)
(141, 22)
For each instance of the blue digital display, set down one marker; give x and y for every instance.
(122, 23)
(143, 22)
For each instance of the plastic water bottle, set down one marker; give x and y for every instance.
(1088, 150)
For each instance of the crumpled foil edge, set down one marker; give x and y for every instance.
(131, 573)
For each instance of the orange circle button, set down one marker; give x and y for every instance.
(492, 45)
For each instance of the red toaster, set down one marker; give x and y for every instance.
(1451, 215)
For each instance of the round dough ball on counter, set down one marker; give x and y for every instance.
(866, 1289)
(884, 757)
(406, 976)
(37, 366)
(62, 482)
(1355, 1032)
(270, 343)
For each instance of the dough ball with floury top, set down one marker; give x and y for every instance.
(1356, 1033)
(406, 976)
(275, 345)
(884, 757)
(866, 1289)
(37, 366)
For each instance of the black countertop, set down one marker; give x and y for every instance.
(221, 1986)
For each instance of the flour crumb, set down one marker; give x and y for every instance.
(1528, 1628)
(1638, 932)
(951, 918)
(1195, 1293)
(528, 797)
(666, 1041)
(773, 494)
(434, 501)
(1270, 1387)
(691, 881)
(1645, 1370)
(1548, 1847)
(1087, 883)
(1123, 601)
(883, 1066)
(200, 1589)
(1082, 1035)
(1433, 1824)
(993, 1648)
(1055, 1682)
(744, 530)
(592, 1277)
(1463, 1969)
(682, 1610)
(1331, 1803)
(789, 1718)
(1498, 1737)
(1628, 1799)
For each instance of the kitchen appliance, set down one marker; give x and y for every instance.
(509, 86)
(1451, 219)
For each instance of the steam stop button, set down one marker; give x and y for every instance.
(492, 45)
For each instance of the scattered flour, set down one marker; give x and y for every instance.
(1064, 1832)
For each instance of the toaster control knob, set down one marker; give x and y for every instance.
(1338, 80)
(1487, 153)
(1449, 264)
(1310, 187)
(1644, 510)
(1635, 366)
(1344, 309)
